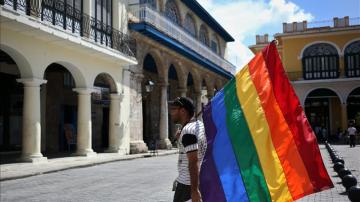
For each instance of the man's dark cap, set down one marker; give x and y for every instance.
(185, 103)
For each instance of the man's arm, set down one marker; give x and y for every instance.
(194, 175)
(191, 148)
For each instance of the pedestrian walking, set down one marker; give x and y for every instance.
(324, 133)
(192, 146)
(352, 134)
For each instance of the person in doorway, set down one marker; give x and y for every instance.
(352, 134)
(192, 147)
(324, 133)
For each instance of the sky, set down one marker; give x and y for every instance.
(244, 19)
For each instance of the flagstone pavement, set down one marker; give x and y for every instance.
(352, 162)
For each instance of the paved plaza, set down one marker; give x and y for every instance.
(141, 179)
(352, 162)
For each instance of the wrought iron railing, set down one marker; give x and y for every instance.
(352, 64)
(75, 21)
(314, 75)
(144, 13)
(321, 67)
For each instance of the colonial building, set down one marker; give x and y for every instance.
(88, 76)
(65, 77)
(180, 52)
(323, 64)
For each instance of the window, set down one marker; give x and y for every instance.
(189, 25)
(214, 46)
(150, 3)
(171, 11)
(352, 59)
(203, 35)
(320, 61)
(102, 24)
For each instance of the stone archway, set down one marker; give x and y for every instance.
(22, 63)
(105, 89)
(174, 90)
(323, 109)
(61, 107)
(353, 106)
(11, 106)
(154, 102)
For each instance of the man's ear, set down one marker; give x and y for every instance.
(183, 111)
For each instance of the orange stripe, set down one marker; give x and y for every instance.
(296, 175)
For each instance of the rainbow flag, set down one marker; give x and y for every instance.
(260, 145)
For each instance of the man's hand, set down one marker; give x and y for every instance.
(195, 196)
(177, 134)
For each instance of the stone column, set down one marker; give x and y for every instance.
(164, 142)
(182, 92)
(137, 144)
(344, 120)
(31, 123)
(210, 93)
(84, 126)
(197, 103)
(114, 124)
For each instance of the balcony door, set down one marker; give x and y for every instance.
(64, 13)
(101, 24)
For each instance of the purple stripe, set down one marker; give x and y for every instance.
(210, 185)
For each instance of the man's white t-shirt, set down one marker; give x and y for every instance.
(351, 130)
(192, 138)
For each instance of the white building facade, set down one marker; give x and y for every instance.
(64, 77)
(81, 77)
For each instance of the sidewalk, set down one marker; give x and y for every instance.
(21, 170)
(337, 193)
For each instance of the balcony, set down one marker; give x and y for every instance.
(144, 14)
(322, 75)
(74, 21)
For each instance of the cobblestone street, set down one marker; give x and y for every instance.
(143, 179)
(337, 193)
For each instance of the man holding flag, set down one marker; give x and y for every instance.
(260, 146)
(192, 147)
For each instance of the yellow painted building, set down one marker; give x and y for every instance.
(322, 60)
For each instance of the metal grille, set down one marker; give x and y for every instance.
(67, 17)
(352, 59)
(320, 61)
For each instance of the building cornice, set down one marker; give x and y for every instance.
(312, 33)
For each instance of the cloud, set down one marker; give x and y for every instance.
(244, 19)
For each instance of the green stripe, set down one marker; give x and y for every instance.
(244, 147)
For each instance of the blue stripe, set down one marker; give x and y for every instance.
(223, 154)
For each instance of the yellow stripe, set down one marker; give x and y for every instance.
(259, 128)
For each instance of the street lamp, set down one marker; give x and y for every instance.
(149, 86)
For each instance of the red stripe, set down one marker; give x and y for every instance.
(298, 179)
(295, 117)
